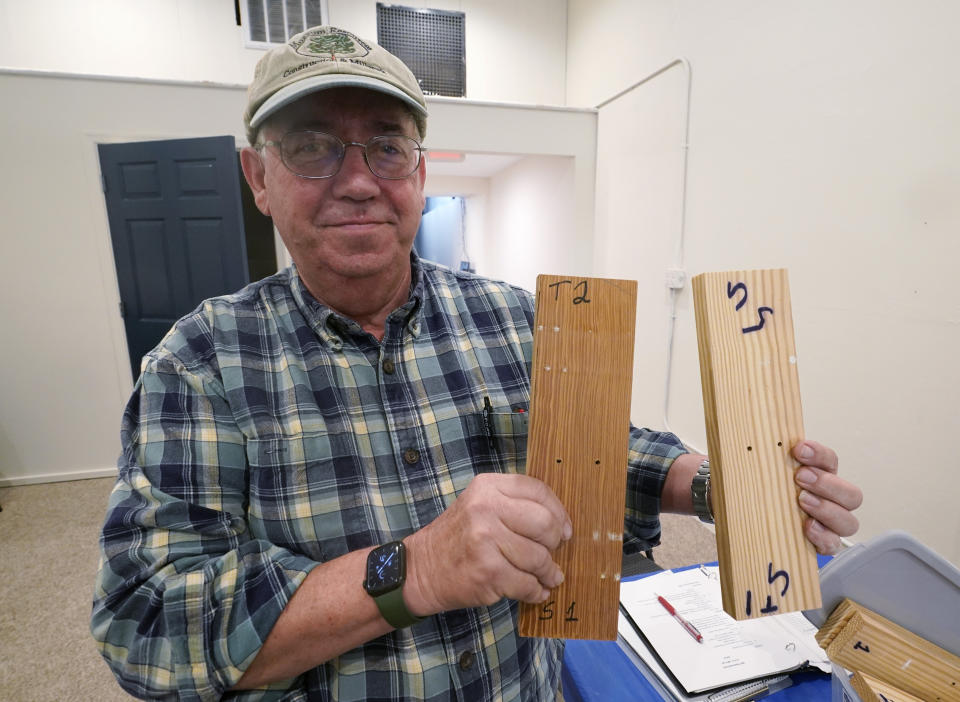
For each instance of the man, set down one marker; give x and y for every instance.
(307, 504)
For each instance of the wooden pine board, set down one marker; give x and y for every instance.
(862, 640)
(872, 690)
(751, 398)
(581, 378)
(835, 623)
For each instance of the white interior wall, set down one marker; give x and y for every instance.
(191, 40)
(64, 347)
(531, 222)
(475, 192)
(520, 220)
(515, 51)
(823, 139)
(199, 40)
(558, 147)
(63, 363)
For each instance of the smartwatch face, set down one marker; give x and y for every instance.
(384, 569)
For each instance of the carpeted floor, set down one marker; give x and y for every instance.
(48, 555)
(48, 548)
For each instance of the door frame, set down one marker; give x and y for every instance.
(110, 285)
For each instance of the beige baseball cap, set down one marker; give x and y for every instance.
(326, 57)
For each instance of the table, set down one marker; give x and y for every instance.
(598, 671)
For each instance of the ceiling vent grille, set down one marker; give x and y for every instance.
(275, 21)
(430, 42)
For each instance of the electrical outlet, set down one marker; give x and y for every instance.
(676, 278)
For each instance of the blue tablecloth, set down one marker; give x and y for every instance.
(598, 671)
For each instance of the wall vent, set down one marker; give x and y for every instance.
(430, 42)
(270, 22)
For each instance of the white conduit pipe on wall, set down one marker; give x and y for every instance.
(676, 287)
(677, 279)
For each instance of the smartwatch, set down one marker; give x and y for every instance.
(386, 573)
(700, 489)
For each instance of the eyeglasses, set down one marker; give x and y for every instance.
(320, 155)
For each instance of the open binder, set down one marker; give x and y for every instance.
(735, 661)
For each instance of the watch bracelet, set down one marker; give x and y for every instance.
(700, 492)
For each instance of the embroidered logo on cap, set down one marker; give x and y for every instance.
(331, 45)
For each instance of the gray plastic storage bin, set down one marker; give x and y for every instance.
(900, 579)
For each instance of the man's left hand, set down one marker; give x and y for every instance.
(828, 499)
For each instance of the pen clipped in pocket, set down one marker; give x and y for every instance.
(501, 438)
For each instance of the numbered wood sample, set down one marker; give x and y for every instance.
(579, 421)
(862, 640)
(751, 401)
(873, 690)
(835, 623)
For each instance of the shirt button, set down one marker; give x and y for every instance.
(388, 366)
(466, 660)
(411, 456)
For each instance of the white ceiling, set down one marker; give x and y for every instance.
(472, 165)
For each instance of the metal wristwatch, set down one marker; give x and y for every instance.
(386, 573)
(700, 489)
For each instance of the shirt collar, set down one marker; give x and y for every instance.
(331, 326)
(317, 314)
(417, 285)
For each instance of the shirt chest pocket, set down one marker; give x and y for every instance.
(491, 442)
(506, 439)
(308, 493)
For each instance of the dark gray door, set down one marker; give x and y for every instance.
(177, 230)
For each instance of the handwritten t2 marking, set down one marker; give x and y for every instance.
(580, 287)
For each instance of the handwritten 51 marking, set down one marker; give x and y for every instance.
(772, 577)
(546, 612)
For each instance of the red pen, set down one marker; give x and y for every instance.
(691, 629)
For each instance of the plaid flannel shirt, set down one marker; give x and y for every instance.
(268, 434)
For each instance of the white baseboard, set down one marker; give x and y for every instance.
(58, 477)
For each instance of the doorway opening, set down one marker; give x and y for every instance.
(258, 228)
(442, 236)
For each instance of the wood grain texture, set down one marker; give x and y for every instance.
(864, 641)
(581, 379)
(872, 690)
(835, 623)
(751, 398)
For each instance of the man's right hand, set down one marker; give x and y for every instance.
(495, 541)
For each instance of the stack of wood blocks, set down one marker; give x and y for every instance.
(889, 662)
